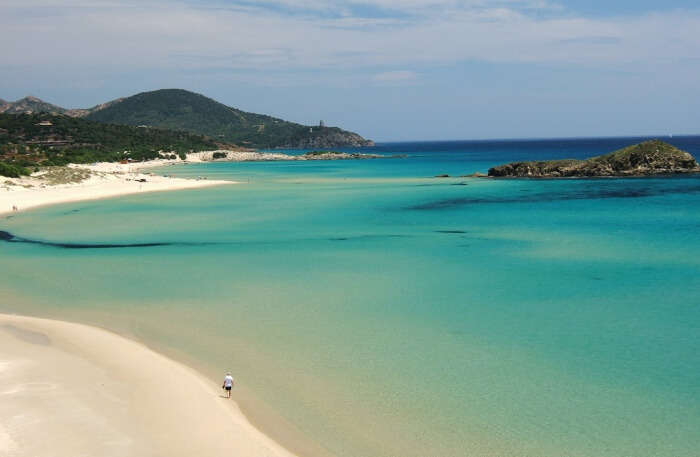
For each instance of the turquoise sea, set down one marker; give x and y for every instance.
(377, 311)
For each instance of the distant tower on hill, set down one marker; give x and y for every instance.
(321, 123)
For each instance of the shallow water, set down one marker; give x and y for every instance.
(385, 312)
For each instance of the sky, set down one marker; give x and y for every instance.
(391, 70)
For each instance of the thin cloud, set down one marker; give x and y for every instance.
(262, 36)
(592, 40)
(397, 76)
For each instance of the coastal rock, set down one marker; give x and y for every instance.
(254, 156)
(652, 157)
(335, 155)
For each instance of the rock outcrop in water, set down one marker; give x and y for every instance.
(648, 158)
(254, 156)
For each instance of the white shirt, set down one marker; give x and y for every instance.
(228, 380)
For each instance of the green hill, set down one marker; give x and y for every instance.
(183, 110)
(29, 105)
(44, 139)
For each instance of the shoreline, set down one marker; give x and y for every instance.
(93, 391)
(112, 180)
(101, 180)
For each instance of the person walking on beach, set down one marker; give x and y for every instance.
(228, 383)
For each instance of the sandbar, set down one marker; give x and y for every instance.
(69, 389)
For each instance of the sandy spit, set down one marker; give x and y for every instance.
(69, 389)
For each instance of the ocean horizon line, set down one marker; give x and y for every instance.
(537, 138)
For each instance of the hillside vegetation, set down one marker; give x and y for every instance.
(183, 110)
(178, 109)
(28, 140)
(29, 105)
(648, 158)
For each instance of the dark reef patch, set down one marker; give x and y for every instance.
(450, 231)
(578, 194)
(8, 237)
(366, 237)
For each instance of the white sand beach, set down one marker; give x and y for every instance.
(111, 179)
(69, 390)
(101, 180)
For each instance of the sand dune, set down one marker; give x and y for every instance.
(73, 390)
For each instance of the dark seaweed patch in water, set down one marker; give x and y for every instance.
(10, 238)
(450, 231)
(582, 194)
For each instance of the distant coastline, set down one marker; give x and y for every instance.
(182, 110)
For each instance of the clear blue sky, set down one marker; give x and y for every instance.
(388, 69)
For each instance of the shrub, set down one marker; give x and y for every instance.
(12, 171)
